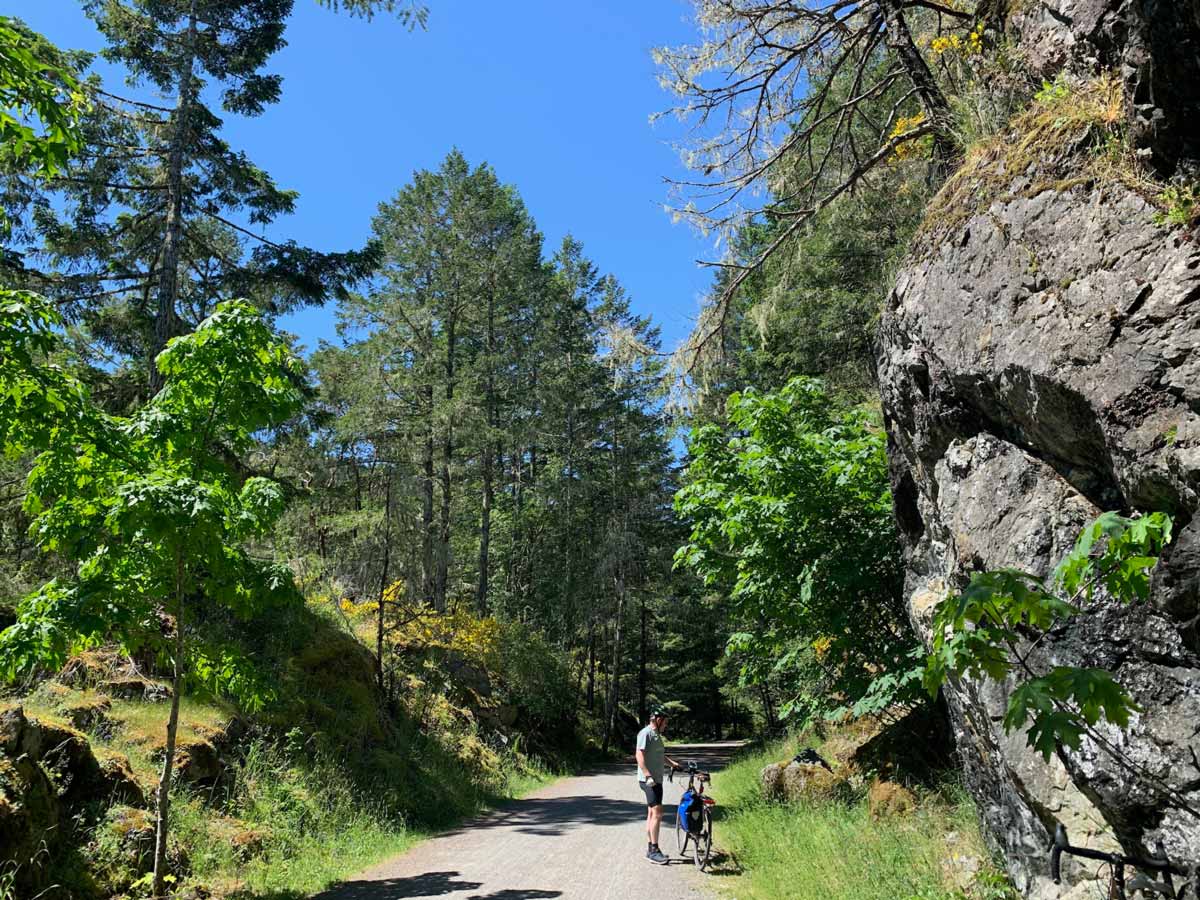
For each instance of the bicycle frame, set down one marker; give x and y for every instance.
(1158, 864)
(697, 779)
(704, 778)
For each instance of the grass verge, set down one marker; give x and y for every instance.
(287, 826)
(837, 851)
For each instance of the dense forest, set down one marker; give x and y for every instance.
(270, 613)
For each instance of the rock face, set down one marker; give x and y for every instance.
(1040, 363)
(1039, 366)
(1154, 45)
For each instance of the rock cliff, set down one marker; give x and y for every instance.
(1040, 363)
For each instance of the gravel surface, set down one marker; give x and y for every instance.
(581, 838)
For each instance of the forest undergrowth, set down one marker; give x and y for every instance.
(327, 778)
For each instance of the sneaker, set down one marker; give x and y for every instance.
(657, 857)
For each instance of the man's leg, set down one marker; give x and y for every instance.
(654, 813)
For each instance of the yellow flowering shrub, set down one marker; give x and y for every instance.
(940, 45)
(914, 148)
(460, 631)
(970, 45)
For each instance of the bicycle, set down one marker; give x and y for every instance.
(699, 836)
(1158, 864)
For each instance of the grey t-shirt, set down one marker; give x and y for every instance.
(650, 742)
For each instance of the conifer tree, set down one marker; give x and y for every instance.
(160, 218)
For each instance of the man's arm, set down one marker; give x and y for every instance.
(641, 761)
(673, 764)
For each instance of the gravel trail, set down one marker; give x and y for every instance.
(580, 838)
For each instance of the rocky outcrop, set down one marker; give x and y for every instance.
(50, 777)
(1153, 45)
(128, 854)
(1021, 402)
(1040, 362)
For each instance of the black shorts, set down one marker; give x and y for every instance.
(653, 794)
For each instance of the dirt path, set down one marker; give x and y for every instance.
(580, 838)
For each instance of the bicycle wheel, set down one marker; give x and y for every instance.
(681, 834)
(702, 842)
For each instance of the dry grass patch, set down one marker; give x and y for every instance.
(1071, 135)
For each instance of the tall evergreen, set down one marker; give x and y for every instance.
(161, 217)
(492, 433)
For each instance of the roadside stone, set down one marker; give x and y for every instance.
(886, 798)
(771, 779)
(87, 669)
(67, 756)
(961, 870)
(30, 816)
(13, 725)
(249, 843)
(85, 712)
(198, 763)
(793, 782)
(135, 688)
(132, 831)
(120, 784)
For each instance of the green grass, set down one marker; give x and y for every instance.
(289, 826)
(836, 851)
(306, 823)
(327, 780)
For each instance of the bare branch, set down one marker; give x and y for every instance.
(800, 219)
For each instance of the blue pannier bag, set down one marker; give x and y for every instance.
(691, 810)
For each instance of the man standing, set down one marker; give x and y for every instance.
(651, 752)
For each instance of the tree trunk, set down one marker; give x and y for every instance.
(642, 711)
(442, 581)
(166, 321)
(591, 678)
(485, 536)
(518, 499)
(993, 15)
(427, 568)
(614, 684)
(933, 101)
(764, 694)
(162, 826)
(717, 710)
(383, 584)
(485, 513)
(357, 496)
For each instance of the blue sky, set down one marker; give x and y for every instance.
(555, 95)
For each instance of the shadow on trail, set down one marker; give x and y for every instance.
(556, 815)
(545, 817)
(430, 884)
